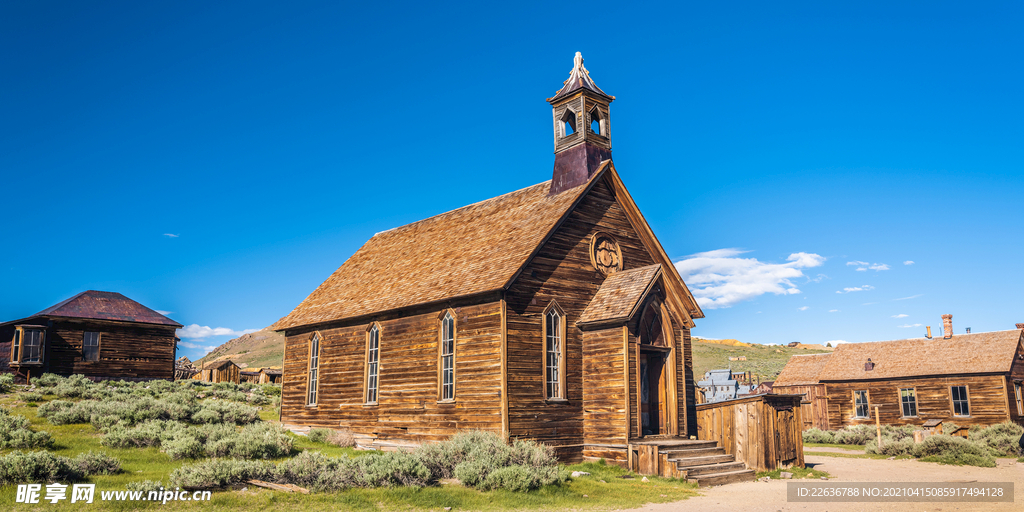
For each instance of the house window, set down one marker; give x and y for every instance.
(860, 403)
(447, 356)
(908, 400)
(28, 346)
(554, 352)
(313, 380)
(91, 346)
(961, 405)
(372, 363)
(1020, 398)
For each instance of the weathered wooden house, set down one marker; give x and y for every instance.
(220, 371)
(966, 379)
(550, 313)
(96, 334)
(800, 377)
(270, 376)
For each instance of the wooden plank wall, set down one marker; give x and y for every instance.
(987, 394)
(408, 407)
(561, 271)
(1016, 375)
(127, 350)
(604, 395)
(814, 406)
(764, 432)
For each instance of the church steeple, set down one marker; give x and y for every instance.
(583, 130)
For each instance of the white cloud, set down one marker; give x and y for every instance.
(833, 311)
(856, 289)
(205, 348)
(905, 326)
(198, 332)
(901, 315)
(868, 303)
(719, 279)
(862, 269)
(879, 266)
(170, 235)
(857, 263)
(863, 266)
(817, 279)
(908, 262)
(911, 297)
(805, 308)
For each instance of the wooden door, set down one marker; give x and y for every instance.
(652, 394)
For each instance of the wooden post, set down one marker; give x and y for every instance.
(878, 428)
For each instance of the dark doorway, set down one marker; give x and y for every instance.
(652, 393)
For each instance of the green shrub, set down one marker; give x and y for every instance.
(146, 486)
(31, 396)
(219, 411)
(256, 441)
(15, 433)
(891, 447)
(221, 472)
(954, 450)
(856, 434)
(97, 463)
(47, 380)
(391, 469)
(522, 478)
(473, 456)
(271, 389)
(183, 447)
(1003, 439)
(41, 466)
(318, 472)
(319, 435)
(948, 428)
(814, 435)
(6, 382)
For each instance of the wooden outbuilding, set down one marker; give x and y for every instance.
(270, 376)
(249, 376)
(101, 335)
(966, 379)
(762, 431)
(550, 313)
(220, 371)
(800, 377)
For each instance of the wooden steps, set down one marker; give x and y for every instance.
(704, 462)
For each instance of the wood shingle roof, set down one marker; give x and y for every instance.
(620, 295)
(802, 370)
(983, 352)
(471, 250)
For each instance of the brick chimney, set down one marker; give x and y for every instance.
(929, 335)
(947, 326)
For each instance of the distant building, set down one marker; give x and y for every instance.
(719, 385)
(967, 379)
(102, 335)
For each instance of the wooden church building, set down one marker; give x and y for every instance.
(550, 313)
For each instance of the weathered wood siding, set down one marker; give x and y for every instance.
(408, 407)
(987, 399)
(604, 393)
(764, 432)
(133, 351)
(1016, 375)
(813, 407)
(560, 271)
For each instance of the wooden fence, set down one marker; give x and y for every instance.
(763, 431)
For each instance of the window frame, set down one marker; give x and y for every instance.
(313, 392)
(561, 395)
(85, 337)
(660, 313)
(18, 345)
(1018, 393)
(966, 401)
(370, 350)
(867, 404)
(913, 395)
(441, 355)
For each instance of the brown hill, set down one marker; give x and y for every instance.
(260, 349)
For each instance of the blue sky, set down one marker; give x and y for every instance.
(220, 161)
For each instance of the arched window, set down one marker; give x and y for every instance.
(651, 330)
(313, 378)
(446, 356)
(372, 364)
(567, 123)
(554, 352)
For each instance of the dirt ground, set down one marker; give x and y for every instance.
(771, 496)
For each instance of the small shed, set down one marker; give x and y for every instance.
(249, 376)
(270, 376)
(220, 371)
(762, 431)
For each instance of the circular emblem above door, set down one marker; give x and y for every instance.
(605, 254)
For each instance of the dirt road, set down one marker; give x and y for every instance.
(771, 496)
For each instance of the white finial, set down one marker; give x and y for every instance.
(578, 60)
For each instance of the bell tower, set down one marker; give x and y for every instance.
(583, 130)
